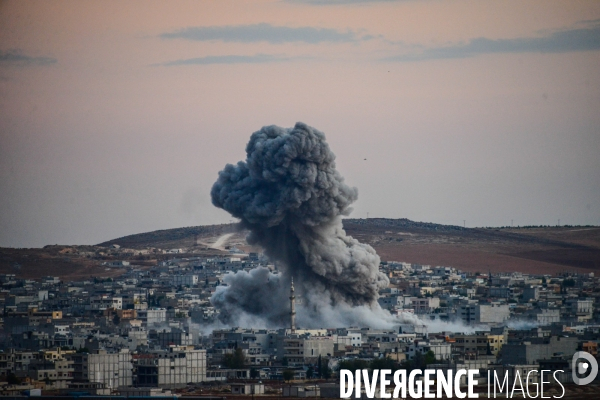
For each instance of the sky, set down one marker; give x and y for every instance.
(116, 116)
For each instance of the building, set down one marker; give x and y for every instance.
(247, 388)
(303, 350)
(101, 303)
(532, 350)
(544, 316)
(473, 313)
(441, 349)
(531, 293)
(174, 336)
(581, 309)
(425, 305)
(479, 344)
(153, 316)
(172, 368)
(184, 280)
(491, 313)
(111, 369)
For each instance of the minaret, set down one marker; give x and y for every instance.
(292, 307)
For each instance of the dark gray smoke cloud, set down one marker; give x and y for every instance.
(291, 198)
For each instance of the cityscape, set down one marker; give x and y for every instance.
(328, 199)
(154, 332)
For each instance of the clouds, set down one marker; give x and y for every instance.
(262, 32)
(16, 57)
(583, 36)
(227, 59)
(579, 39)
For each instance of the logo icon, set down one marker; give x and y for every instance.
(581, 367)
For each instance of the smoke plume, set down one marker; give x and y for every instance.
(291, 198)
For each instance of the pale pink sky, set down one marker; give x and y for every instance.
(115, 117)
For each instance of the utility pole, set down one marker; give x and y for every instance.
(464, 223)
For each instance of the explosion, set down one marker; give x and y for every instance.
(291, 198)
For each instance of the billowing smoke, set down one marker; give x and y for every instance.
(291, 198)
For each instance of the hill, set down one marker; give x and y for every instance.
(550, 250)
(527, 249)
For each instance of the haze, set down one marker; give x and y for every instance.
(115, 117)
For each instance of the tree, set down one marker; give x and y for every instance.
(569, 282)
(417, 362)
(288, 374)
(327, 372)
(429, 357)
(353, 365)
(323, 368)
(310, 372)
(320, 367)
(12, 379)
(383, 363)
(237, 359)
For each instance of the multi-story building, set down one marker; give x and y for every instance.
(491, 313)
(531, 293)
(153, 316)
(301, 350)
(184, 280)
(101, 303)
(530, 351)
(441, 349)
(481, 343)
(172, 337)
(172, 368)
(111, 369)
(425, 305)
(581, 309)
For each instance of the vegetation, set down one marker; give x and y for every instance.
(539, 226)
(288, 375)
(569, 282)
(235, 360)
(323, 369)
(355, 364)
(12, 379)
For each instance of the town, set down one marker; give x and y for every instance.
(154, 332)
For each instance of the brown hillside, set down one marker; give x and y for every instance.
(550, 250)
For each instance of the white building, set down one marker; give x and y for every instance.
(173, 368)
(153, 316)
(111, 369)
(425, 305)
(184, 280)
(101, 303)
